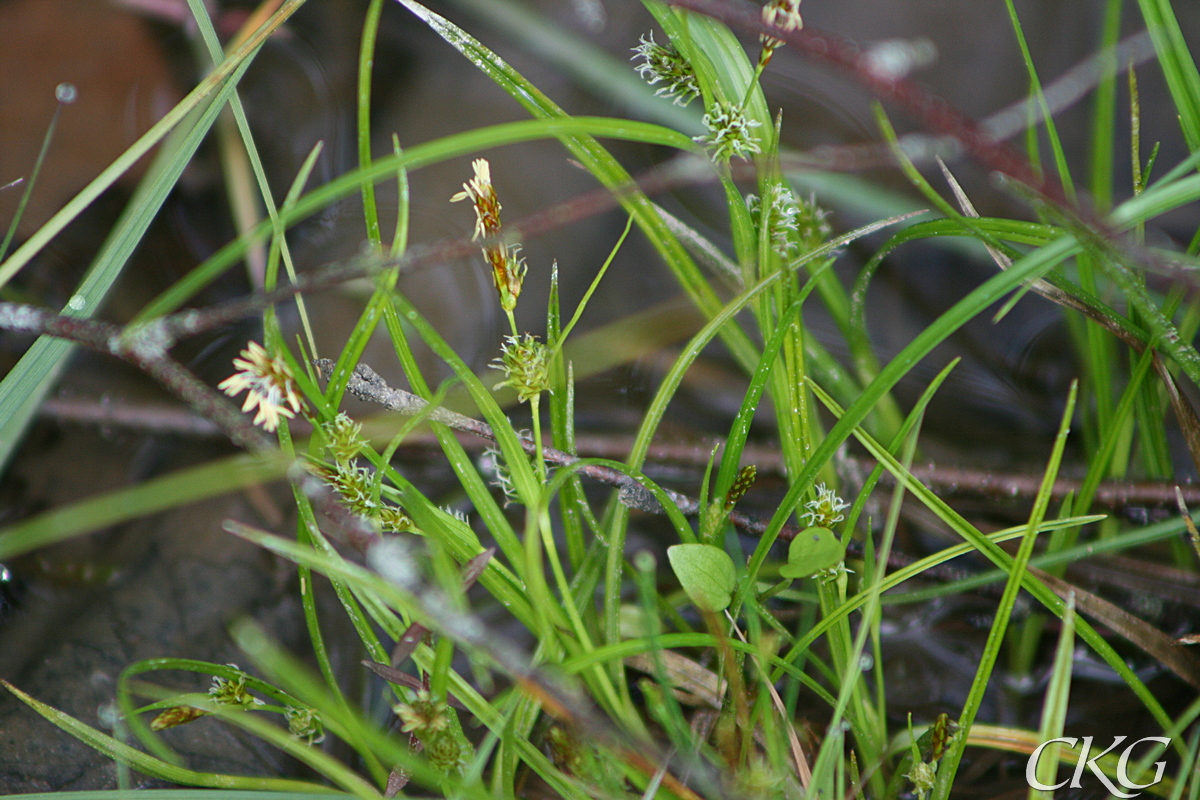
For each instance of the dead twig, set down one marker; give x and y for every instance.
(146, 348)
(946, 480)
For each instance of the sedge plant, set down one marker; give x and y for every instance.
(747, 662)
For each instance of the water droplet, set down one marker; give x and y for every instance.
(107, 715)
(66, 93)
(77, 303)
(895, 58)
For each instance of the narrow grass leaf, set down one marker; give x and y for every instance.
(601, 164)
(1174, 56)
(991, 650)
(1035, 84)
(186, 794)
(159, 494)
(149, 765)
(1054, 707)
(988, 548)
(975, 302)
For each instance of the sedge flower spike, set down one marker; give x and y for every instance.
(783, 15)
(232, 691)
(526, 366)
(795, 226)
(305, 724)
(508, 270)
(482, 194)
(825, 510)
(268, 383)
(729, 132)
(430, 721)
(664, 64)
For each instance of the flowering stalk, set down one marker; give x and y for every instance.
(524, 360)
(508, 269)
(783, 15)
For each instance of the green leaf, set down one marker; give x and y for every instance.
(1183, 79)
(813, 550)
(705, 572)
(149, 765)
(167, 491)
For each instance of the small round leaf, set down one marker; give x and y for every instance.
(813, 550)
(706, 574)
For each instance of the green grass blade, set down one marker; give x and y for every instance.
(641, 445)
(589, 65)
(279, 243)
(1104, 112)
(211, 84)
(412, 158)
(987, 547)
(1161, 197)
(366, 63)
(169, 491)
(740, 429)
(602, 165)
(1116, 544)
(1035, 85)
(1058, 693)
(1178, 68)
(65, 93)
(184, 794)
(150, 765)
(1028, 267)
(27, 383)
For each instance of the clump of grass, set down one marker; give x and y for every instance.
(682, 678)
